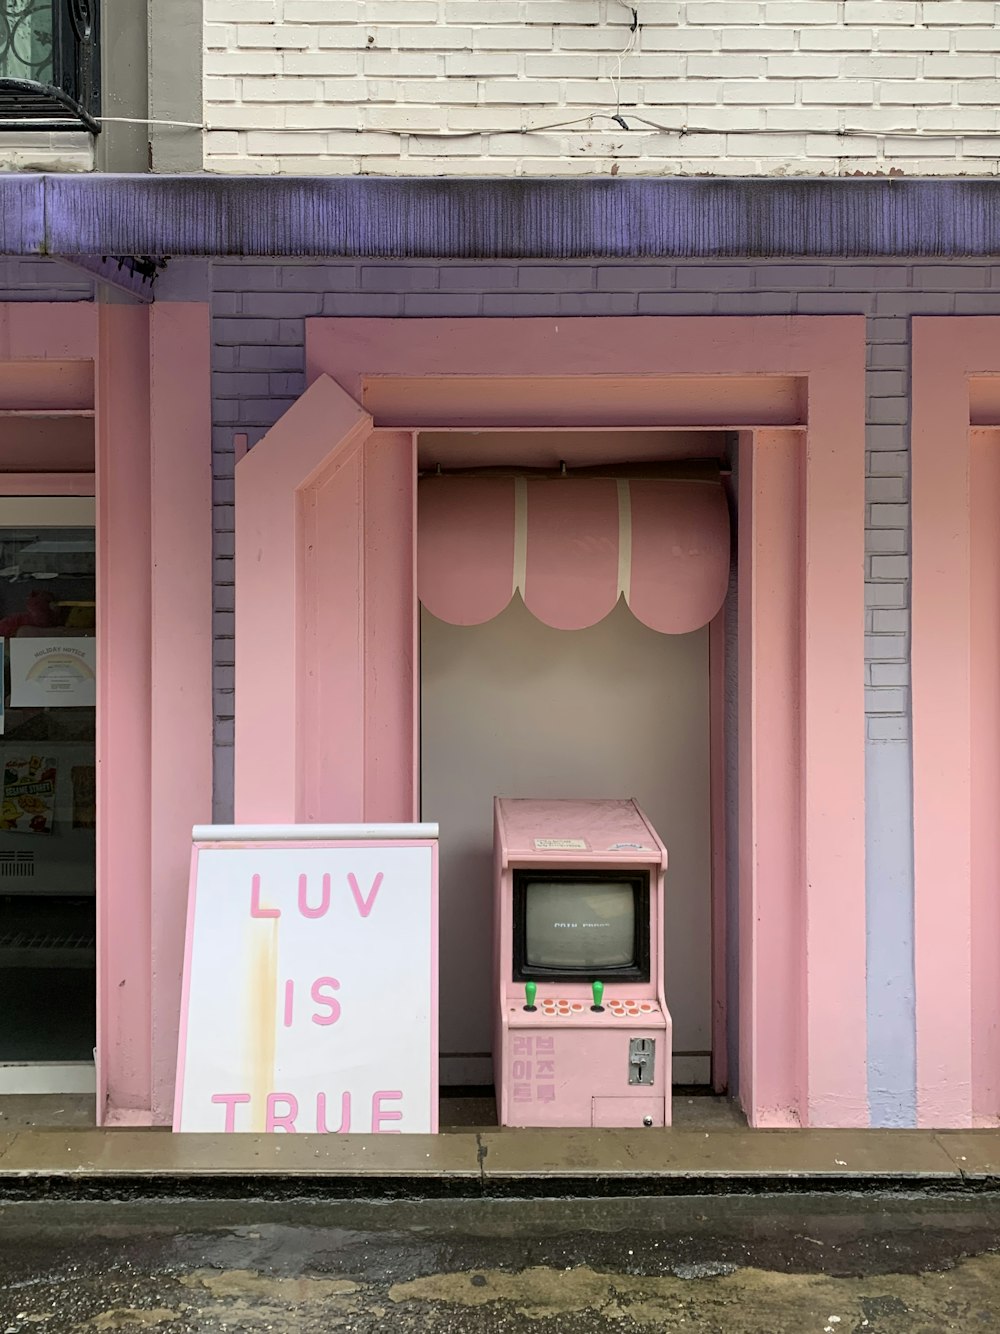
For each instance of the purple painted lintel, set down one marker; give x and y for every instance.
(368, 217)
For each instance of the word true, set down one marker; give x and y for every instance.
(363, 902)
(283, 1111)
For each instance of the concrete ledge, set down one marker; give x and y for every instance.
(682, 1160)
(89, 1164)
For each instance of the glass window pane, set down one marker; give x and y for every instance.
(26, 39)
(48, 794)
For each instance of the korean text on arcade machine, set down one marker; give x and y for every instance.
(583, 1032)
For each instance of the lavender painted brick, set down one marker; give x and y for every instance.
(886, 490)
(881, 436)
(889, 729)
(636, 278)
(885, 595)
(367, 305)
(478, 277)
(889, 700)
(890, 674)
(678, 303)
(453, 304)
(890, 567)
(281, 303)
(891, 620)
(556, 278)
(320, 278)
(889, 516)
(399, 278)
(886, 541)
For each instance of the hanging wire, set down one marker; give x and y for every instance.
(615, 79)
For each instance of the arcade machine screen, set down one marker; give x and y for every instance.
(572, 927)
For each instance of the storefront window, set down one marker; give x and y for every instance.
(48, 801)
(26, 40)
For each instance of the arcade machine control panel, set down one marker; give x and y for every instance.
(583, 1033)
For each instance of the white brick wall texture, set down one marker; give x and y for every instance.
(39, 150)
(529, 87)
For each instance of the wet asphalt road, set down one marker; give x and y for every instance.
(835, 1264)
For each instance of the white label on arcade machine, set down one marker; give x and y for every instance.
(310, 989)
(561, 844)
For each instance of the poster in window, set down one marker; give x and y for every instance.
(52, 672)
(29, 794)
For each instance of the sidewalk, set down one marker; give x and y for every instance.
(110, 1164)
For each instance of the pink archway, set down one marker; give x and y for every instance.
(326, 529)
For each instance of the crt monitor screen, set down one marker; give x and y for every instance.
(583, 926)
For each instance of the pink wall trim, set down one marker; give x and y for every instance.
(181, 685)
(48, 331)
(806, 1061)
(123, 711)
(956, 765)
(47, 484)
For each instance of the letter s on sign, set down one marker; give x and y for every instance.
(321, 985)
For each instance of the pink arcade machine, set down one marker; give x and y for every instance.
(583, 1034)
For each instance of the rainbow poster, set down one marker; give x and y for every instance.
(52, 672)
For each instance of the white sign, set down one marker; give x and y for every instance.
(52, 672)
(310, 983)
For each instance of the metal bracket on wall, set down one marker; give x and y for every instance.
(134, 274)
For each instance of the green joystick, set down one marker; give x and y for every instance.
(530, 992)
(598, 989)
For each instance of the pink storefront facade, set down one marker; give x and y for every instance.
(257, 432)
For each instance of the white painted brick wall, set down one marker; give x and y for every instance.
(527, 87)
(38, 150)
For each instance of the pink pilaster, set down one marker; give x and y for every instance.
(833, 740)
(773, 993)
(123, 713)
(181, 650)
(956, 744)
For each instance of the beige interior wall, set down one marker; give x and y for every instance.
(515, 708)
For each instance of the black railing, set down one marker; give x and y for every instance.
(50, 65)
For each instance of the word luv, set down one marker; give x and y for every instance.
(364, 902)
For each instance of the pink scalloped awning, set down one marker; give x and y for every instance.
(572, 548)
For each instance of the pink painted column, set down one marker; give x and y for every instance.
(771, 890)
(984, 493)
(942, 723)
(181, 659)
(833, 742)
(123, 714)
